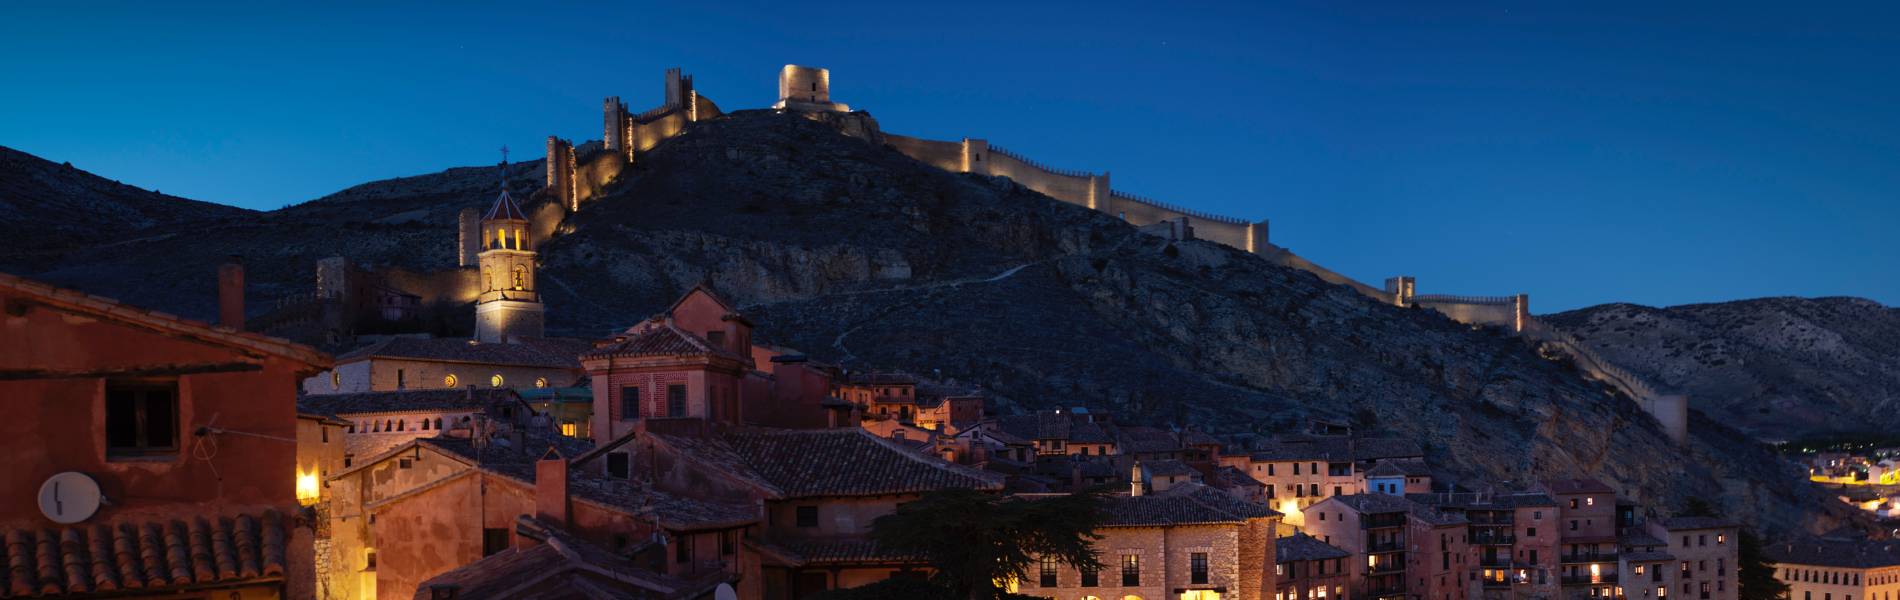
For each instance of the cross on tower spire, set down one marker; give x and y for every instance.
(502, 171)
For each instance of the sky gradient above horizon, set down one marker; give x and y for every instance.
(1656, 154)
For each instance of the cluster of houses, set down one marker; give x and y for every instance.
(679, 459)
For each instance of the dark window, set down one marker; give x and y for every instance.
(1197, 567)
(1048, 578)
(348, 458)
(325, 429)
(1336, 490)
(438, 423)
(807, 516)
(425, 424)
(683, 548)
(617, 465)
(1530, 532)
(676, 400)
(1091, 578)
(141, 419)
(399, 379)
(728, 542)
(494, 539)
(629, 402)
(1131, 570)
(718, 338)
(404, 463)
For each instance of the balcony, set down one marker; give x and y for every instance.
(1590, 557)
(1390, 567)
(1497, 584)
(1604, 579)
(1496, 562)
(1490, 539)
(1377, 547)
(1381, 592)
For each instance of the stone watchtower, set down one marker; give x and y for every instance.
(508, 305)
(806, 89)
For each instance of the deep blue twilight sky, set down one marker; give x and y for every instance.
(1653, 152)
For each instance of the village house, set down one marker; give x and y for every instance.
(1705, 550)
(434, 504)
(1300, 470)
(149, 456)
(819, 489)
(418, 363)
(570, 409)
(1837, 570)
(1586, 536)
(1188, 542)
(1374, 530)
(1308, 569)
(378, 421)
(1512, 538)
(1439, 555)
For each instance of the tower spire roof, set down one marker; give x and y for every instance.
(505, 208)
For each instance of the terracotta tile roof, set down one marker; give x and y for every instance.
(1167, 468)
(1385, 469)
(629, 496)
(1481, 501)
(1143, 440)
(1577, 486)
(505, 209)
(832, 551)
(436, 400)
(561, 566)
(1085, 432)
(1435, 517)
(1688, 523)
(1337, 449)
(1848, 554)
(78, 302)
(826, 462)
(660, 338)
(1227, 476)
(1300, 546)
(151, 556)
(1374, 503)
(1183, 504)
(543, 354)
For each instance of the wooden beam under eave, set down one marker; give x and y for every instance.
(133, 371)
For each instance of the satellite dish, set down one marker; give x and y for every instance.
(69, 497)
(724, 592)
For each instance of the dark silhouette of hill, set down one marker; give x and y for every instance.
(858, 255)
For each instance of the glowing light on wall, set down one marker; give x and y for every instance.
(307, 490)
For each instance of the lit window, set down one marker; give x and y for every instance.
(448, 381)
(494, 380)
(540, 382)
(521, 277)
(569, 429)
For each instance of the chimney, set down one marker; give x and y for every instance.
(1134, 484)
(231, 294)
(550, 488)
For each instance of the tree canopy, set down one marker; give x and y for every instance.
(976, 541)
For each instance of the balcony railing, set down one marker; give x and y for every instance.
(1604, 579)
(1590, 557)
(1497, 584)
(1386, 591)
(1496, 562)
(1494, 539)
(1386, 568)
(1384, 547)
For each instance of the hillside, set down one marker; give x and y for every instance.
(46, 207)
(859, 255)
(1779, 368)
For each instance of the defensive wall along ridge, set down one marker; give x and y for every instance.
(576, 175)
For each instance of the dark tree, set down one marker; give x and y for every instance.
(975, 540)
(1756, 574)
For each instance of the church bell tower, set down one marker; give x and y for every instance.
(508, 306)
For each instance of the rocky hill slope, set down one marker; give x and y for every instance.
(859, 255)
(47, 208)
(1779, 368)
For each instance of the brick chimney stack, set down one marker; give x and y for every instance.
(231, 294)
(550, 488)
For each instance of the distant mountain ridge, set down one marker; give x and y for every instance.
(1779, 368)
(860, 255)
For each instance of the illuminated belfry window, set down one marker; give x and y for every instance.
(520, 277)
(495, 381)
(448, 381)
